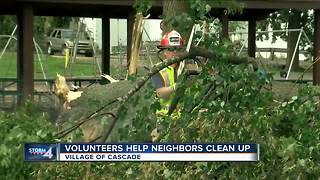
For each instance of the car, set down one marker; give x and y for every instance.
(60, 39)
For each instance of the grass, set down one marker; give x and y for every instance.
(52, 65)
(86, 67)
(8, 66)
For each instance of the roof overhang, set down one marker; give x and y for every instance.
(252, 9)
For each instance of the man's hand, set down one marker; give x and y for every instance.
(164, 92)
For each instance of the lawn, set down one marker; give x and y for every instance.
(86, 67)
(52, 65)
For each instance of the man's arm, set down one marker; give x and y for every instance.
(164, 92)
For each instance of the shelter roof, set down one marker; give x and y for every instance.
(253, 9)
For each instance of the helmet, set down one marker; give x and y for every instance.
(171, 39)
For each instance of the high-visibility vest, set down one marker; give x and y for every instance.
(167, 75)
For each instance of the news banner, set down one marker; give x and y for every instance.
(140, 152)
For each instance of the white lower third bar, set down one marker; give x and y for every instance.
(158, 157)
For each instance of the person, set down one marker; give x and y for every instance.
(165, 80)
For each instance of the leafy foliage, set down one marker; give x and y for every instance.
(41, 24)
(143, 5)
(225, 103)
(7, 24)
(237, 109)
(279, 20)
(17, 128)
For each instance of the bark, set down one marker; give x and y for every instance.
(172, 8)
(135, 43)
(294, 23)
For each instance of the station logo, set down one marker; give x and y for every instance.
(40, 152)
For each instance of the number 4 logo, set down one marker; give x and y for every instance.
(48, 153)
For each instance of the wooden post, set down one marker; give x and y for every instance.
(316, 52)
(105, 56)
(225, 25)
(272, 56)
(130, 22)
(25, 67)
(252, 38)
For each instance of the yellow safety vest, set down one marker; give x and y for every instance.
(167, 75)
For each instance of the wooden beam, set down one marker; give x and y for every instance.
(225, 25)
(92, 8)
(252, 38)
(281, 4)
(105, 56)
(316, 52)
(273, 4)
(130, 22)
(25, 53)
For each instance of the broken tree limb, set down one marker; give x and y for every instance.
(109, 78)
(139, 84)
(192, 53)
(136, 88)
(207, 94)
(136, 42)
(123, 99)
(63, 91)
(65, 132)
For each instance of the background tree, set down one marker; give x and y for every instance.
(174, 15)
(41, 27)
(289, 19)
(7, 24)
(141, 7)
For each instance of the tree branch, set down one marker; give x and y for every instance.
(194, 52)
(207, 94)
(65, 132)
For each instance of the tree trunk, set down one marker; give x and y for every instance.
(135, 44)
(172, 8)
(46, 26)
(294, 23)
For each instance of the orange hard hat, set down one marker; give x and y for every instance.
(171, 39)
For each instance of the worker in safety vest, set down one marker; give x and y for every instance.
(165, 80)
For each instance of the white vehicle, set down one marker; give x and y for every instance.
(61, 39)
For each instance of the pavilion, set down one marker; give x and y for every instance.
(25, 10)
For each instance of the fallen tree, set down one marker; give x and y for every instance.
(121, 98)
